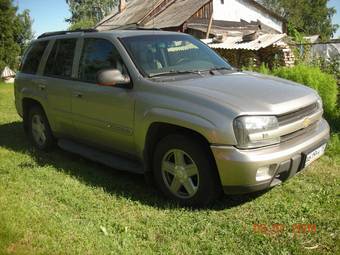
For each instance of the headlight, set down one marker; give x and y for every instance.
(256, 131)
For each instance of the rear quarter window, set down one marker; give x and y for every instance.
(33, 57)
(60, 60)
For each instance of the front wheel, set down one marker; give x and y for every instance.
(184, 172)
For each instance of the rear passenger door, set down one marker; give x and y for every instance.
(58, 79)
(27, 81)
(102, 115)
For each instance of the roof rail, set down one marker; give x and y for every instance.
(90, 30)
(142, 28)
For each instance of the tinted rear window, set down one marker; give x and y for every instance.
(60, 60)
(33, 57)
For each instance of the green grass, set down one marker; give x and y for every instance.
(58, 203)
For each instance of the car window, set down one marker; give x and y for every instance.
(33, 57)
(60, 60)
(98, 55)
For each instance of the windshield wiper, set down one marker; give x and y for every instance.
(220, 68)
(175, 73)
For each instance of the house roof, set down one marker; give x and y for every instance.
(177, 13)
(265, 9)
(236, 42)
(233, 28)
(135, 11)
(174, 13)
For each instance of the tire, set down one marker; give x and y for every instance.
(39, 130)
(184, 172)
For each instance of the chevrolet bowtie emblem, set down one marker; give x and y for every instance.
(306, 122)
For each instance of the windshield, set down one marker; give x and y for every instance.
(166, 54)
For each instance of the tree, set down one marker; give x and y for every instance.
(26, 34)
(306, 16)
(87, 13)
(15, 33)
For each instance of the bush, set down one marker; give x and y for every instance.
(331, 66)
(333, 150)
(263, 68)
(325, 84)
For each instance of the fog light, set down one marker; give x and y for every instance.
(263, 173)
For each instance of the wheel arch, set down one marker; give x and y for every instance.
(158, 130)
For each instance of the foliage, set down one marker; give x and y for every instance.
(82, 24)
(306, 16)
(333, 150)
(62, 204)
(26, 33)
(15, 33)
(331, 66)
(264, 69)
(87, 13)
(323, 83)
(295, 34)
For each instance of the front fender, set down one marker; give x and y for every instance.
(182, 119)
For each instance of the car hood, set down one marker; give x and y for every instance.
(249, 93)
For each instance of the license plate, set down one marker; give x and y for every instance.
(314, 155)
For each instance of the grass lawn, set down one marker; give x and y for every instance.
(59, 203)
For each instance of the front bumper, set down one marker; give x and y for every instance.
(237, 168)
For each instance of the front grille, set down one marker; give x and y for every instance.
(299, 132)
(291, 117)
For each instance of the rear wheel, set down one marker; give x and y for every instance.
(39, 129)
(184, 172)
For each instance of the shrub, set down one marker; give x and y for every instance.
(263, 68)
(331, 65)
(325, 84)
(333, 150)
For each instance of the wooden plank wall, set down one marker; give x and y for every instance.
(205, 12)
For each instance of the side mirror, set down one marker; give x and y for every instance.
(112, 77)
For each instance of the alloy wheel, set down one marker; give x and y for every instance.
(180, 173)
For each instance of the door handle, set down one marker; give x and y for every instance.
(42, 87)
(78, 95)
(41, 84)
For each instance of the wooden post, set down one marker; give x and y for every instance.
(209, 26)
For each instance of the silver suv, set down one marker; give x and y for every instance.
(164, 104)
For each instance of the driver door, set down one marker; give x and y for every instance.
(102, 115)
